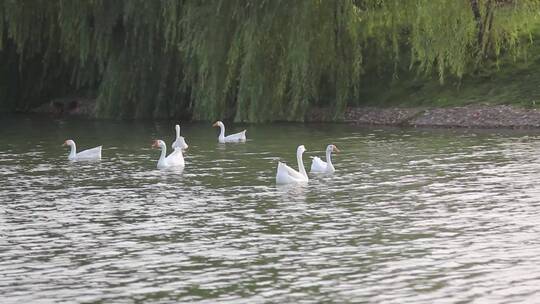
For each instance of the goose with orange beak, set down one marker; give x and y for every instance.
(287, 175)
(90, 154)
(237, 137)
(175, 159)
(320, 166)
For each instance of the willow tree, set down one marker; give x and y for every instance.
(257, 60)
(248, 60)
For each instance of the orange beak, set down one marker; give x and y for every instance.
(155, 144)
(65, 143)
(335, 149)
(215, 124)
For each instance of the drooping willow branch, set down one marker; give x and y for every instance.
(250, 60)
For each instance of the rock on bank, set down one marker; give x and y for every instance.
(474, 116)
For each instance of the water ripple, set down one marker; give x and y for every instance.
(409, 216)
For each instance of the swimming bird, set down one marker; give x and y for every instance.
(237, 137)
(320, 166)
(175, 159)
(287, 175)
(90, 154)
(180, 141)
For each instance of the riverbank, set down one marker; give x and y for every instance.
(75, 106)
(473, 116)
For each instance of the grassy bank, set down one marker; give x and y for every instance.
(511, 83)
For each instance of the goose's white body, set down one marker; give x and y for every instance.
(175, 159)
(287, 175)
(90, 154)
(320, 166)
(180, 141)
(236, 137)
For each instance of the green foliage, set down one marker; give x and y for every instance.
(247, 60)
(503, 82)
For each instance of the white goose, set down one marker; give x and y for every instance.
(179, 142)
(237, 137)
(90, 154)
(320, 166)
(175, 159)
(287, 175)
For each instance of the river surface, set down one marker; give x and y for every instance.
(410, 216)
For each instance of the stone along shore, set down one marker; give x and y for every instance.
(474, 116)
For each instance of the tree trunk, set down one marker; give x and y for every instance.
(478, 18)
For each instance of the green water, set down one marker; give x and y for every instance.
(410, 216)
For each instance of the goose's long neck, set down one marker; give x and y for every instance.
(301, 164)
(177, 132)
(329, 165)
(163, 153)
(73, 151)
(222, 132)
